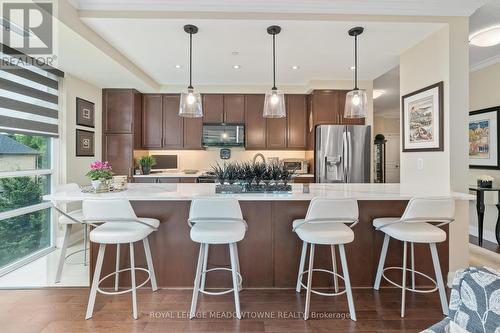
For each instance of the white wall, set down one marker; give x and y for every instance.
(484, 93)
(424, 64)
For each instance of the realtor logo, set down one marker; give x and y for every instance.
(27, 27)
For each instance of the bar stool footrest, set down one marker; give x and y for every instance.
(227, 291)
(423, 291)
(123, 291)
(318, 292)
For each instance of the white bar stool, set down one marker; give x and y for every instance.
(216, 221)
(325, 224)
(68, 219)
(415, 227)
(121, 226)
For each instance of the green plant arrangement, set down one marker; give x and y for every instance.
(146, 162)
(250, 177)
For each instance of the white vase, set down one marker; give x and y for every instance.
(96, 184)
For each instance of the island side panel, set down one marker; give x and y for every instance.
(270, 252)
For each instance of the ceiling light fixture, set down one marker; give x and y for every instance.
(236, 66)
(356, 101)
(178, 66)
(274, 102)
(190, 105)
(295, 67)
(352, 68)
(377, 93)
(486, 37)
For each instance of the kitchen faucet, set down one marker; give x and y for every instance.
(259, 155)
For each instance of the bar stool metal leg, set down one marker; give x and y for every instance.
(95, 281)
(64, 249)
(132, 278)
(194, 300)
(439, 278)
(240, 285)
(347, 281)
(85, 241)
(334, 269)
(309, 282)
(381, 262)
(412, 265)
(301, 267)
(117, 267)
(403, 283)
(149, 260)
(204, 269)
(234, 268)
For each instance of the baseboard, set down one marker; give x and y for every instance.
(487, 234)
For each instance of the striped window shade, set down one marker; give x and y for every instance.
(29, 95)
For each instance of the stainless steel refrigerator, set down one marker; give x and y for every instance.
(342, 154)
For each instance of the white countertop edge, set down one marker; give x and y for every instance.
(186, 192)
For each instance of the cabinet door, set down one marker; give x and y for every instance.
(348, 121)
(193, 128)
(276, 133)
(118, 110)
(255, 123)
(145, 180)
(234, 109)
(118, 149)
(310, 124)
(152, 121)
(188, 180)
(325, 107)
(172, 124)
(296, 121)
(213, 108)
(168, 180)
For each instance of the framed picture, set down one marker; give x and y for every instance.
(483, 139)
(84, 143)
(85, 113)
(422, 115)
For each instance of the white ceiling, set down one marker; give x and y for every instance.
(387, 105)
(484, 17)
(322, 49)
(381, 7)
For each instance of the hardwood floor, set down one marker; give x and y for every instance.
(494, 247)
(63, 310)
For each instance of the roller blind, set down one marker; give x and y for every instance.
(29, 94)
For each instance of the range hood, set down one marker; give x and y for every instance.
(223, 135)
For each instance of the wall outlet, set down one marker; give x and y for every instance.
(420, 164)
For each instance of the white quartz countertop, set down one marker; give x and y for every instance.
(179, 174)
(185, 191)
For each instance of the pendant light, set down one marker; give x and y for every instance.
(356, 100)
(274, 103)
(190, 105)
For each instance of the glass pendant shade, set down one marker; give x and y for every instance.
(190, 106)
(356, 103)
(274, 105)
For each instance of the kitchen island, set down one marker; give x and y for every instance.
(270, 253)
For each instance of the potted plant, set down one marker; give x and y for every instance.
(100, 173)
(485, 181)
(146, 162)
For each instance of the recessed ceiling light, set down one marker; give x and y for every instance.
(235, 53)
(236, 66)
(178, 66)
(377, 93)
(486, 37)
(295, 67)
(352, 68)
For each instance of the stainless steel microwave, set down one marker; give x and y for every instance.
(222, 135)
(298, 164)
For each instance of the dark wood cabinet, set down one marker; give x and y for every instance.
(296, 109)
(118, 150)
(255, 123)
(119, 110)
(193, 128)
(276, 133)
(213, 108)
(152, 121)
(173, 125)
(234, 109)
(325, 107)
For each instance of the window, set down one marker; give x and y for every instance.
(29, 109)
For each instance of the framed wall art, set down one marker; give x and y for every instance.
(483, 139)
(85, 143)
(85, 113)
(422, 118)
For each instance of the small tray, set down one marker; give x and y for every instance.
(90, 189)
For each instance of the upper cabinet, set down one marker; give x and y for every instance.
(328, 108)
(173, 125)
(234, 109)
(121, 106)
(213, 106)
(255, 123)
(296, 110)
(152, 121)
